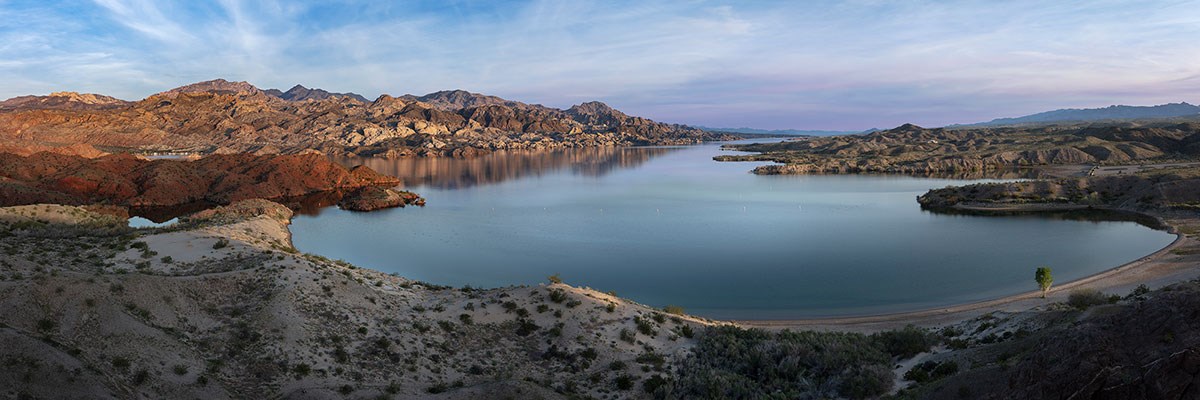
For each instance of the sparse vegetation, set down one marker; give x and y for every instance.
(1085, 298)
(730, 362)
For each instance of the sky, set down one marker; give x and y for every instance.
(834, 65)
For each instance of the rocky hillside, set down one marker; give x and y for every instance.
(125, 180)
(1166, 189)
(221, 117)
(221, 306)
(1143, 345)
(913, 149)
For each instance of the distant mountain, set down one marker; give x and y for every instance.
(783, 132)
(216, 86)
(63, 101)
(296, 93)
(1097, 114)
(451, 100)
(301, 93)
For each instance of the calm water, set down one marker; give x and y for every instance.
(671, 226)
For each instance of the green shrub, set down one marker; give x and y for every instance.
(905, 343)
(677, 310)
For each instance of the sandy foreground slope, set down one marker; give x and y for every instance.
(221, 305)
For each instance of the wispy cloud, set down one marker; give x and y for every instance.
(822, 64)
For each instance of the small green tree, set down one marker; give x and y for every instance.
(554, 278)
(1044, 279)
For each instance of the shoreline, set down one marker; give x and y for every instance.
(1160, 268)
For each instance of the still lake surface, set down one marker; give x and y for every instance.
(668, 225)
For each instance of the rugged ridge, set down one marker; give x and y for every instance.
(219, 116)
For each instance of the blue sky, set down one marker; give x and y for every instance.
(794, 64)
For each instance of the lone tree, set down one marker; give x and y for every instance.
(554, 278)
(1044, 279)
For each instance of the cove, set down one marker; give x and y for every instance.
(668, 225)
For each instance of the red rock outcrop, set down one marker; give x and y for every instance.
(372, 198)
(126, 180)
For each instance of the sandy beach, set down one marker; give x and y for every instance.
(1177, 262)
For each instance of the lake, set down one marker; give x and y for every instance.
(670, 226)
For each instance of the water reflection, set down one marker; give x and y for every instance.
(1087, 215)
(457, 173)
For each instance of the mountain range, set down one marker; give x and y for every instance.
(784, 132)
(1110, 113)
(220, 116)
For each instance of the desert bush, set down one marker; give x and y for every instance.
(651, 384)
(558, 296)
(627, 336)
(931, 371)
(1139, 291)
(644, 326)
(677, 310)
(1087, 297)
(624, 382)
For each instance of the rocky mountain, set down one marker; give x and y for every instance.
(301, 93)
(222, 117)
(1115, 112)
(913, 149)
